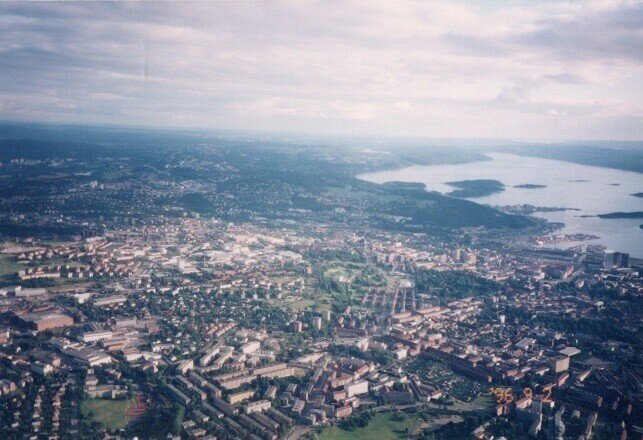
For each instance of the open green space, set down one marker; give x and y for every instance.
(343, 284)
(331, 272)
(8, 267)
(383, 426)
(111, 414)
(294, 304)
(484, 400)
(357, 275)
(459, 387)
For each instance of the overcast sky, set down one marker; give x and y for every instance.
(515, 69)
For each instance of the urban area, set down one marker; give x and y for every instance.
(324, 324)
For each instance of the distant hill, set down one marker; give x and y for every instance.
(636, 214)
(91, 173)
(623, 156)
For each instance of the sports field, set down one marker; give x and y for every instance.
(111, 414)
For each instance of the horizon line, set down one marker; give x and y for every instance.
(311, 136)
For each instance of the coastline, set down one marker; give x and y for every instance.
(562, 214)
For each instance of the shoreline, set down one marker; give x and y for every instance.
(530, 203)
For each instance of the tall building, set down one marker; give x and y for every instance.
(354, 388)
(613, 260)
(560, 364)
(622, 259)
(609, 259)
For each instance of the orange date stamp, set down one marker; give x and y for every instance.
(505, 395)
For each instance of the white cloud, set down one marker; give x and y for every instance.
(441, 69)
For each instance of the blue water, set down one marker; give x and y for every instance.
(597, 195)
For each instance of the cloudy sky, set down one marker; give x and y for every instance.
(514, 69)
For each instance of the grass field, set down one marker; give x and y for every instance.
(484, 400)
(8, 267)
(382, 427)
(112, 414)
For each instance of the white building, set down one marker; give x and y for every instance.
(250, 347)
(356, 388)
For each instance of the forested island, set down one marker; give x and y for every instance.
(635, 214)
(530, 186)
(475, 188)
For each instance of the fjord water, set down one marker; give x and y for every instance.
(592, 190)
